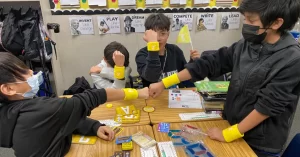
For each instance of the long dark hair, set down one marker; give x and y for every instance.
(11, 70)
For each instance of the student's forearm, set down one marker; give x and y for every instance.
(114, 94)
(176, 78)
(251, 121)
(184, 75)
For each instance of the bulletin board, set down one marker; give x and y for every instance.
(90, 7)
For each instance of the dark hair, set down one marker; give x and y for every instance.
(158, 21)
(11, 69)
(111, 48)
(201, 20)
(270, 10)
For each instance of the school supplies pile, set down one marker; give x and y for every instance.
(190, 139)
(213, 93)
(127, 114)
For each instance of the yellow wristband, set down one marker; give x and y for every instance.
(130, 94)
(153, 46)
(232, 133)
(171, 80)
(119, 72)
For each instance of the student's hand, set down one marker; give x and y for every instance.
(156, 89)
(215, 134)
(119, 58)
(150, 36)
(194, 54)
(95, 69)
(143, 93)
(105, 133)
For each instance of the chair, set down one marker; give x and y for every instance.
(293, 148)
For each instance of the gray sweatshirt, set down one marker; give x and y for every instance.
(105, 79)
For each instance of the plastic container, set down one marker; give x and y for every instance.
(192, 133)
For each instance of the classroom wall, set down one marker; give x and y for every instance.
(76, 54)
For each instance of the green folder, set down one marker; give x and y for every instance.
(212, 86)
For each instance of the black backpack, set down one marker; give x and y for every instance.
(21, 35)
(80, 85)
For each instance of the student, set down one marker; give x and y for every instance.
(265, 81)
(116, 57)
(43, 126)
(152, 67)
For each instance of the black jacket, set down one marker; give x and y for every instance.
(150, 64)
(264, 77)
(43, 127)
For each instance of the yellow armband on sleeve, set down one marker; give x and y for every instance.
(171, 80)
(119, 72)
(153, 46)
(232, 133)
(130, 94)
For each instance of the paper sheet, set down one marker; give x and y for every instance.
(174, 1)
(150, 152)
(82, 25)
(206, 21)
(201, 1)
(69, 2)
(167, 149)
(184, 99)
(97, 2)
(109, 24)
(154, 2)
(110, 122)
(182, 2)
(197, 115)
(127, 2)
(230, 20)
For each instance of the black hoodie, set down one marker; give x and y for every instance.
(264, 77)
(43, 127)
(153, 67)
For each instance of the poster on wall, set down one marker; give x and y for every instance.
(109, 24)
(230, 20)
(81, 25)
(181, 19)
(134, 23)
(126, 2)
(206, 21)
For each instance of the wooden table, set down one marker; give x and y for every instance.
(107, 148)
(102, 112)
(163, 113)
(238, 148)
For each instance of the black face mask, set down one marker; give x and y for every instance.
(250, 34)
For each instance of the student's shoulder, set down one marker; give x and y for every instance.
(38, 104)
(174, 49)
(142, 51)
